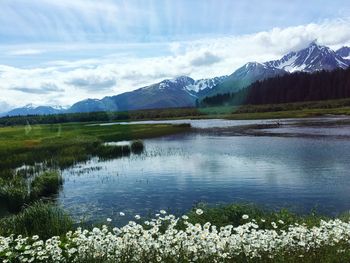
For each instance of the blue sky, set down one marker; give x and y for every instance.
(46, 21)
(47, 47)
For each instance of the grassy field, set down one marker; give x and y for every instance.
(62, 144)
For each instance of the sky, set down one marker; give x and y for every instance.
(60, 52)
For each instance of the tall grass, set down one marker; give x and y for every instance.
(46, 184)
(112, 151)
(43, 219)
(137, 146)
(13, 193)
(17, 191)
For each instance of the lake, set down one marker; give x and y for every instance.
(309, 170)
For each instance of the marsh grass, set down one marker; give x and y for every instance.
(46, 184)
(60, 146)
(43, 219)
(137, 146)
(13, 193)
(105, 152)
(17, 191)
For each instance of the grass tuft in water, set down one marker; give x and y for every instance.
(137, 146)
(46, 184)
(15, 192)
(43, 219)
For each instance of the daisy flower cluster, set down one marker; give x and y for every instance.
(174, 239)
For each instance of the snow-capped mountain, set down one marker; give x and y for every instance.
(202, 87)
(246, 75)
(344, 52)
(310, 59)
(184, 91)
(313, 58)
(31, 109)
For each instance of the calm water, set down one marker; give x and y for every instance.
(176, 172)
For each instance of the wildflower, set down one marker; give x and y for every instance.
(185, 217)
(245, 217)
(163, 212)
(109, 220)
(122, 214)
(137, 217)
(199, 212)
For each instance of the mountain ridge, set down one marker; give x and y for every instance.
(184, 91)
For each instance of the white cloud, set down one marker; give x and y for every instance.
(116, 73)
(4, 106)
(24, 52)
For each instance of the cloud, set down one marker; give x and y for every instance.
(93, 83)
(92, 80)
(24, 52)
(207, 58)
(128, 67)
(45, 88)
(4, 107)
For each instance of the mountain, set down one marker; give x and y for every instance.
(179, 92)
(246, 75)
(170, 93)
(311, 59)
(185, 91)
(30, 109)
(344, 52)
(289, 88)
(202, 87)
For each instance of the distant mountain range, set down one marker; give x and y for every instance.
(184, 91)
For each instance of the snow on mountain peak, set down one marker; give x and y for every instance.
(344, 52)
(312, 58)
(204, 84)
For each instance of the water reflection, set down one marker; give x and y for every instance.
(178, 171)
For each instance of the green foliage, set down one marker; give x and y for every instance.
(17, 191)
(46, 184)
(112, 151)
(43, 219)
(232, 214)
(13, 193)
(296, 87)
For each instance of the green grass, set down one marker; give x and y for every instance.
(46, 184)
(43, 219)
(62, 145)
(231, 214)
(17, 191)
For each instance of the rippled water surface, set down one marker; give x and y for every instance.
(176, 172)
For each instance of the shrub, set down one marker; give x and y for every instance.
(137, 146)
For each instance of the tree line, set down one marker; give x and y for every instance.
(295, 87)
